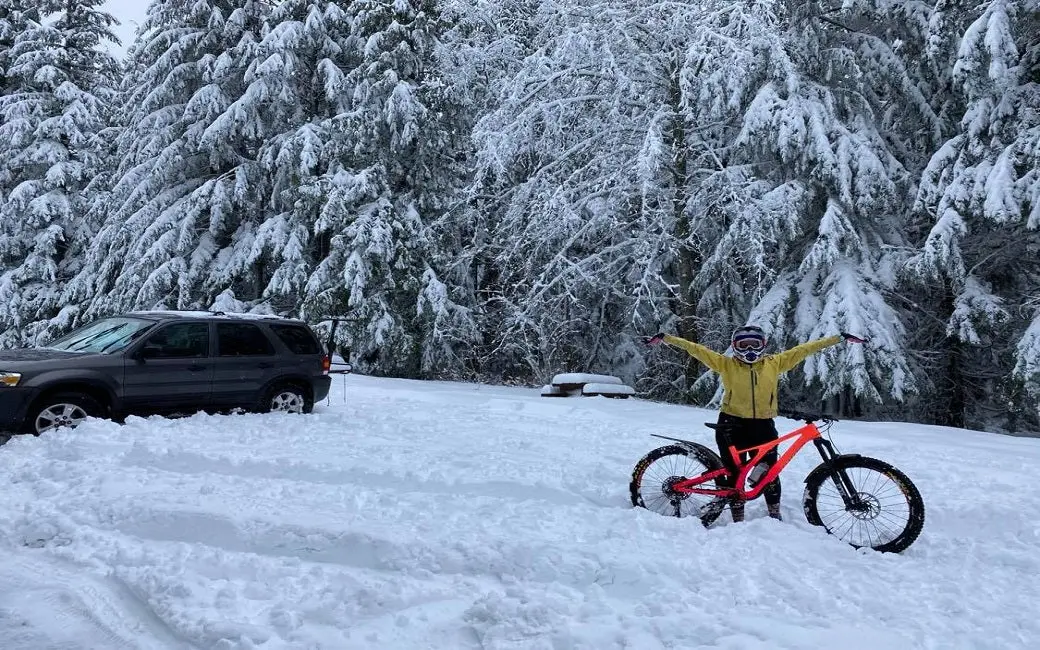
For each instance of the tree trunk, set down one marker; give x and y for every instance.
(688, 261)
(952, 401)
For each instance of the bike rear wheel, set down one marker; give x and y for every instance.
(888, 514)
(663, 467)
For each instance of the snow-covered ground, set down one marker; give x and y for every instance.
(451, 516)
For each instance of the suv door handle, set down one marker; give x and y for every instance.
(195, 368)
(265, 364)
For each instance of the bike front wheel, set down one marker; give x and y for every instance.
(656, 473)
(885, 511)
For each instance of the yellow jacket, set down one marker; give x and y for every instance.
(750, 389)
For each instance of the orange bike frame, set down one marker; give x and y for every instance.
(804, 435)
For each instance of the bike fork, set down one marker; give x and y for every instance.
(841, 480)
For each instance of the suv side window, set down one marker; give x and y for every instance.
(178, 341)
(297, 338)
(242, 340)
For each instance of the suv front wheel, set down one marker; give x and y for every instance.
(61, 410)
(286, 398)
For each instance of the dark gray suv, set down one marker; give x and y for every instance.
(163, 363)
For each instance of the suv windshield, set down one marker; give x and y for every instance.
(105, 336)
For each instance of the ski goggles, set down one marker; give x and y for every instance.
(749, 343)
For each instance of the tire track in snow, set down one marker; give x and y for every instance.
(50, 603)
(418, 559)
(193, 464)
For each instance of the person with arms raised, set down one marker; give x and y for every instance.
(750, 380)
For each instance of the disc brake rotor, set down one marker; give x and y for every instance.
(869, 507)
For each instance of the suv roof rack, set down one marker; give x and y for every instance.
(251, 316)
(174, 313)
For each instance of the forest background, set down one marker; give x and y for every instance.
(499, 190)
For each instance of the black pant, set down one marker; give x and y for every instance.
(743, 433)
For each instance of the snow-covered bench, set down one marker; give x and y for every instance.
(569, 381)
(586, 384)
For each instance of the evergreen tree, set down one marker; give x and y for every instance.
(694, 164)
(15, 17)
(185, 193)
(821, 130)
(982, 188)
(296, 84)
(576, 164)
(509, 189)
(395, 169)
(59, 78)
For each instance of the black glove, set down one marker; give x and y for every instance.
(654, 340)
(852, 338)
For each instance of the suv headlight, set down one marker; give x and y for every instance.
(10, 378)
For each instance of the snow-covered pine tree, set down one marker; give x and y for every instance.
(694, 164)
(581, 170)
(295, 85)
(834, 111)
(15, 16)
(396, 167)
(185, 189)
(59, 76)
(481, 47)
(981, 191)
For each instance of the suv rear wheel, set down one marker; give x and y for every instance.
(61, 410)
(286, 398)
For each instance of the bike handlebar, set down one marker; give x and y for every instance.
(807, 417)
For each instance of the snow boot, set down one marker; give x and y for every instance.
(774, 511)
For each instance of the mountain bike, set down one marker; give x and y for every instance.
(851, 496)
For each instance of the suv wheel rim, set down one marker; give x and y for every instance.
(60, 415)
(287, 402)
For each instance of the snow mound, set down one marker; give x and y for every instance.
(439, 515)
